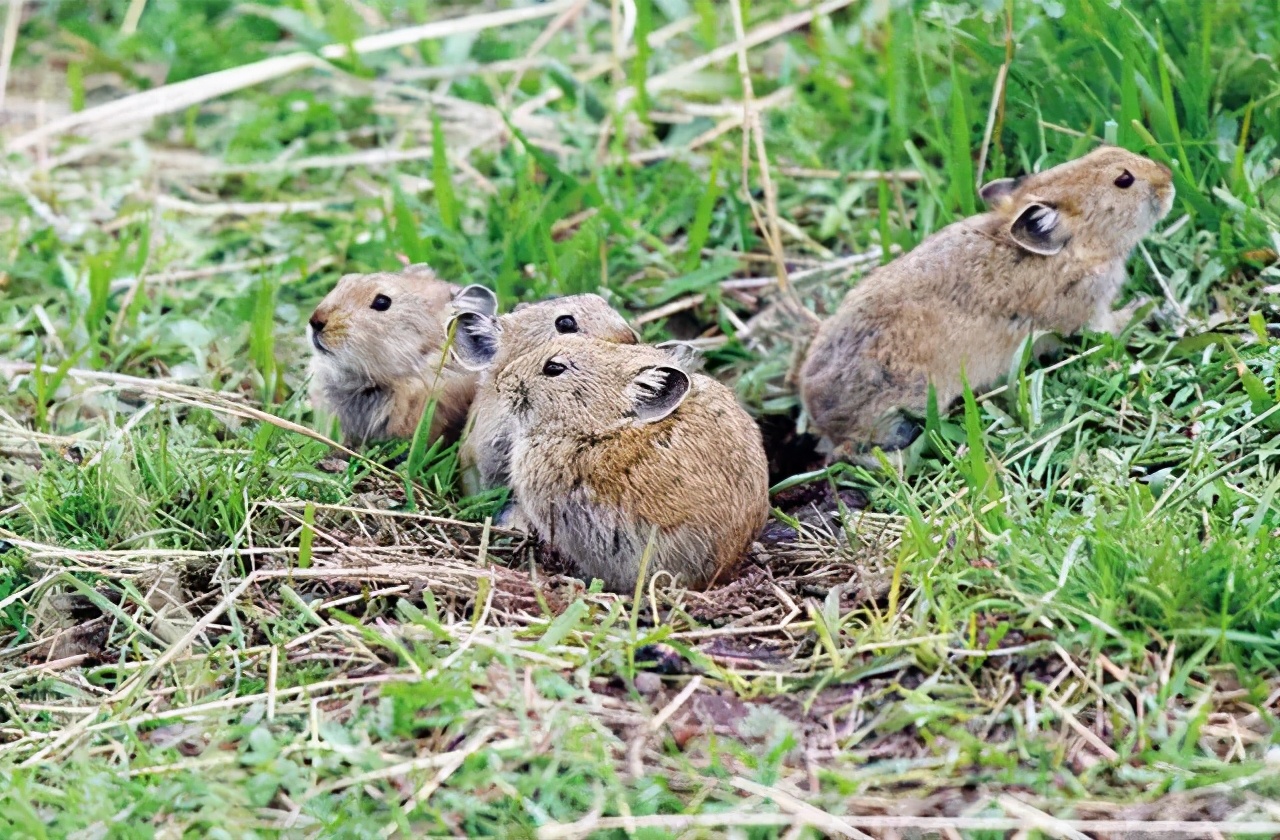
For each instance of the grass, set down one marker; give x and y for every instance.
(1065, 607)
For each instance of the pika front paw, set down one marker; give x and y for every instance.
(904, 432)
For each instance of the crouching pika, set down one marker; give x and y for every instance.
(486, 343)
(380, 356)
(614, 441)
(1049, 256)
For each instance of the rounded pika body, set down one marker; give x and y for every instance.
(613, 441)
(486, 343)
(379, 343)
(1049, 256)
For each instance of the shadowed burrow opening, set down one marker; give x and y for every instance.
(789, 451)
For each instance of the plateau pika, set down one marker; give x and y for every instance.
(1048, 256)
(612, 441)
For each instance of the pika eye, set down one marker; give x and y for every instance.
(553, 368)
(381, 303)
(1125, 180)
(566, 324)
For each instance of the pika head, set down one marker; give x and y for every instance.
(385, 326)
(618, 450)
(483, 341)
(379, 355)
(1103, 203)
(581, 387)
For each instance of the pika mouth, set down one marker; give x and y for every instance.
(1162, 200)
(319, 345)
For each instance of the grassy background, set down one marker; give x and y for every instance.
(1070, 602)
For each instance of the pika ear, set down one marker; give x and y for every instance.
(998, 192)
(657, 391)
(475, 339)
(684, 353)
(476, 299)
(1040, 229)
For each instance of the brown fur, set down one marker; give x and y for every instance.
(966, 298)
(378, 370)
(623, 441)
(485, 453)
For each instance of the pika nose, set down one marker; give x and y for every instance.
(317, 323)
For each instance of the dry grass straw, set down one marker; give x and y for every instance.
(995, 115)
(12, 20)
(745, 41)
(753, 140)
(171, 98)
(776, 99)
(174, 276)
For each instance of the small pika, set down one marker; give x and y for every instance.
(1048, 256)
(616, 443)
(379, 356)
(487, 343)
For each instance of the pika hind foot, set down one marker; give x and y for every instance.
(513, 517)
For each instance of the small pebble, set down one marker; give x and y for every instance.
(648, 683)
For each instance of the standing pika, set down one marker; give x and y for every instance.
(486, 343)
(1049, 255)
(380, 356)
(613, 441)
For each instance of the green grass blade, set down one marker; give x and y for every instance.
(442, 175)
(701, 227)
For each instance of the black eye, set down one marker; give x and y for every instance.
(552, 368)
(566, 324)
(1125, 180)
(381, 303)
